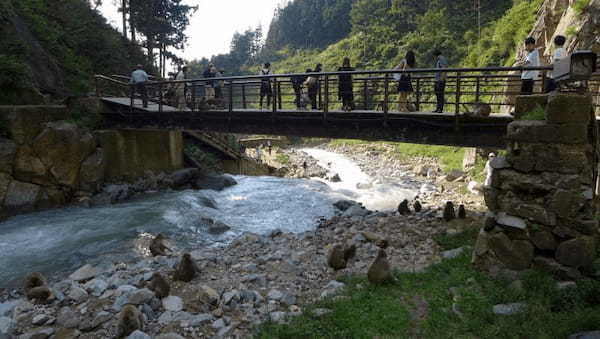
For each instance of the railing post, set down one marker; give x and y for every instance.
(320, 95)
(279, 100)
(458, 92)
(386, 98)
(543, 81)
(275, 84)
(418, 95)
(230, 97)
(244, 105)
(160, 98)
(477, 89)
(365, 93)
(132, 88)
(326, 101)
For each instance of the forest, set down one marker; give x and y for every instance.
(377, 34)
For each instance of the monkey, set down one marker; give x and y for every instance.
(462, 213)
(417, 206)
(380, 271)
(157, 247)
(349, 252)
(337, 259)
(35, 287)
(130, 320)
(403, 208)
(186, 269)
(449, 213)
(159, 285)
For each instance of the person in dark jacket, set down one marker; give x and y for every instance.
(345, 88)
(313, 85)
(297, 82)
(265, 85)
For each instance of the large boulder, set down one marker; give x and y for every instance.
(91, 174)
(29, 168)
(579, 252)
(22, 197)
(5, 180)
(27, 122)
(184, 177)
(215, 182)
(8, 150)
(515, 254)
(62, 147)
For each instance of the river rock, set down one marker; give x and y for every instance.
(355, 211)
(184, 177)
(172, 303)
(278, 317)
(585, 335)
(215, 182)
(6, 308)
(138, 335)
(84, 273)
(509, 309)
(22, 197)
(67, 318)
(40, 319)
(403, 208)
(96, 287)
(7, 325)
(40, 333)
(451, 254)
(169, 336)
(332, 288)
(77, 294)
(343, 205)
(139, 297)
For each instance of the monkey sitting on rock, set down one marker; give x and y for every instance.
(380, 271)
(339, 256)
(36, 289)
(186, 269)
(159, 285)
(157, 246)
(130, 320)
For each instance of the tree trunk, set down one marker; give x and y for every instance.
(124, 9)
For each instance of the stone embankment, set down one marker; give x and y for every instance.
(253, 280)
(541, 196)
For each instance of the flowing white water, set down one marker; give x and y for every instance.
(381, 194)
(61, 240)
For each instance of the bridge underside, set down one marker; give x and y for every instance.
(417, 128)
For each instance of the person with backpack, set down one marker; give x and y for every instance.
(312, 85)
(405, 87)
(345, 86)
(265, 85)
(559, 53)
(297, 83)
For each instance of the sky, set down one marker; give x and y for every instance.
(212, 27)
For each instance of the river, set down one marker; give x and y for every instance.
(59, 241)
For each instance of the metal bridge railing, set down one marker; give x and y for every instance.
(373, 90)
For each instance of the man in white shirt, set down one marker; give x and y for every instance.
(139, 78)
(532, 60)
(180, 89)
(559, 53)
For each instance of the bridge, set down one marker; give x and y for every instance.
(374, 118)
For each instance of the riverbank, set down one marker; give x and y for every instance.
(253, 280)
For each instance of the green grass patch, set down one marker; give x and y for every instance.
(450, 158)
(283, 158)
(536, 114)
(580, 6)
(385, 312)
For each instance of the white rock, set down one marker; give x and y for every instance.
(84, 273)
(138, 335)
(278, 317)
(509, 309)
(218, 324)
(40, 319)
(173, 303)
(474, 187)
(96, 287)
(561, 285)
(123, 289)
(77, 294)
(499, 163)
(321, 311)
(451, 254)
(139, 297)
(275, 295)
(508, 220)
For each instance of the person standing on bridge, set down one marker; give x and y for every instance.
(440, 80)
(209, 89)
(180, 89)
(265, 85)
(531, 60)
(312, 86)
(559, 53)
(297, 83)
(138, 80)
(405, 87)
(345, 87)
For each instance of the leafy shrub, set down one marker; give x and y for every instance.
(580, 6)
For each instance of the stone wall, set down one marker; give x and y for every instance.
(541, 197)
(132, 153)
(45, 161)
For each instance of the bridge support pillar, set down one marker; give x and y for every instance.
(541, 196)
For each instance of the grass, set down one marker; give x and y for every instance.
(580, 6)
(450, 158)
(536, 114)
(283, 158)
(385, 312)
